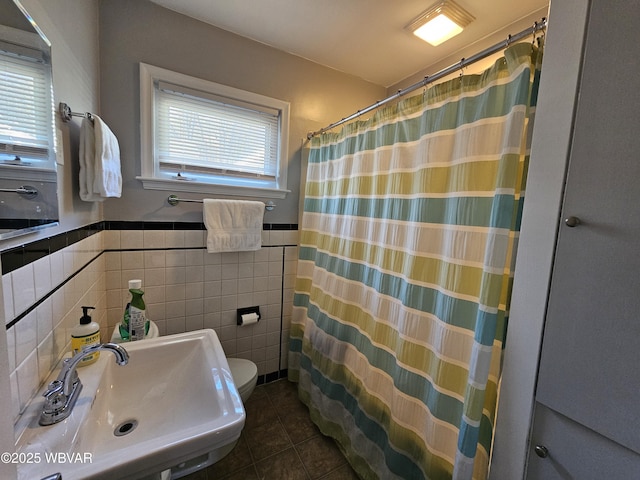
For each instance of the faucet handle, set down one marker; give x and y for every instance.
(54, 388)
(68, 376)
(54, 396)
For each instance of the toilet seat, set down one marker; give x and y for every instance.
(245, 376)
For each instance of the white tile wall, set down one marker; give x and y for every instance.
(7, 288)
(190, 289)
(37, 342)
(24, 290)
(185, 287)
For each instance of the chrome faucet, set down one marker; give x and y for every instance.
(62, 393)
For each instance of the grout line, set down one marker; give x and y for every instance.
(284, 264)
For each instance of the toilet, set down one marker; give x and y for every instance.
(244, 372)
(245, 376)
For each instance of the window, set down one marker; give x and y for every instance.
(26, 107)
(203, 137)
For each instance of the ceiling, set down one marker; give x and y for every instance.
(365, 38)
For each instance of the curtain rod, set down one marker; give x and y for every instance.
(537, 26)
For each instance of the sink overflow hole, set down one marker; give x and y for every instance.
(125, 427)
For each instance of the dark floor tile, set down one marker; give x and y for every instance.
(293, 405)
(283, 394)
(320, 455)
(199, 475)
(237, 459)
(298, 424)
(259, 411)
(259, 393)
(248, 473)
(344, 472)
(279, 442)
(267, 440)
(285, 465)
(282, 385)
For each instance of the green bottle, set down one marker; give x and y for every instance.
(134, 324)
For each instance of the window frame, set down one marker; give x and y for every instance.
(41, 161)
(151, 175)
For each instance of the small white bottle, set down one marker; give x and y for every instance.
(85, 334)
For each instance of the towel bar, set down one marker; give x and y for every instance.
(25, 190)
(173, 200)
(66, 113)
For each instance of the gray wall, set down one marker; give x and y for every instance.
(71, 27)
(140, 31)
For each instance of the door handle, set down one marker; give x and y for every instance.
(541, 451)
(572, 221)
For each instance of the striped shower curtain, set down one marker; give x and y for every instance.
(407, 245)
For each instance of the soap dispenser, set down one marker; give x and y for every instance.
(84, 334)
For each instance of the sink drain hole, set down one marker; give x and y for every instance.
(125, 428)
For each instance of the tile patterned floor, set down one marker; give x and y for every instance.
(279, 442)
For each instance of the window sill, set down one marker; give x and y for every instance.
(200, 187)
(22, 173)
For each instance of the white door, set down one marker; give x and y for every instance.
(588, 391)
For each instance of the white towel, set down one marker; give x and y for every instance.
(233, 225)
(100, 175)
(87, 160)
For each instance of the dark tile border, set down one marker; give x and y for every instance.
(17, 223)
(280, 226)
(17, 257)
(272, 377)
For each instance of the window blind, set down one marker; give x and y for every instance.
(199, 132)
(25, 107)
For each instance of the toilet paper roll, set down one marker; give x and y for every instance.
(249, 319)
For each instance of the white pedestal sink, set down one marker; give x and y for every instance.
(175, 400)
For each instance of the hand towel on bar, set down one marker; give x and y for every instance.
(87, 160)
(100, 175)
(107, 179)
(233, 225)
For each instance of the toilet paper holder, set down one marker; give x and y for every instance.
(247, 311)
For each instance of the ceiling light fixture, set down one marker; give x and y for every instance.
(440, 22)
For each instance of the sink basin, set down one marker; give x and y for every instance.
(174, 401)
